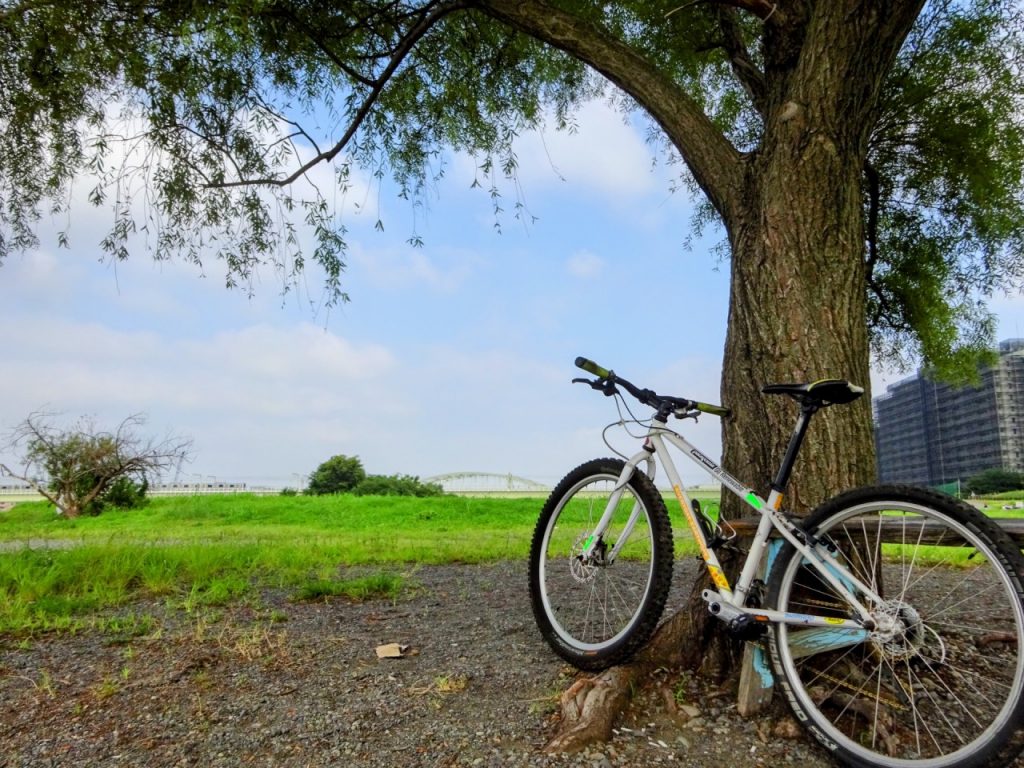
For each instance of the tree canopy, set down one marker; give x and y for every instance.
(339, 474)
(995, 481)
(203, 125)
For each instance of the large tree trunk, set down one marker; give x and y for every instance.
(797, 314)
(794, 215)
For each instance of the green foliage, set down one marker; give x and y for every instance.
(993, 481)
(216, 112)
(947, 156)
(83, 470)
(338, 474)
(125, 492)
(396, 485)
(215, 92)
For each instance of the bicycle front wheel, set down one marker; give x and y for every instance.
(596, 611)
(937, 680)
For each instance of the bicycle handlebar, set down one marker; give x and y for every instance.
(591, 367)
(647, 396)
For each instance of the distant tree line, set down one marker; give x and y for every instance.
(345, 474)
(995, 481)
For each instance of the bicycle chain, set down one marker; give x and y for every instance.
(842, 683)
(860, 691)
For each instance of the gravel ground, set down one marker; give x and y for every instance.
(299, 684)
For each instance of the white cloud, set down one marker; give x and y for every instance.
(438, 270)
(252, 398)
(1009, 307)
(605, 154)
(585, 264)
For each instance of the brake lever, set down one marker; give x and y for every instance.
(601, 385)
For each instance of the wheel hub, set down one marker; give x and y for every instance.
(899, 631)
(584, 568)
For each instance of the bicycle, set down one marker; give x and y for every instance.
(893, 616)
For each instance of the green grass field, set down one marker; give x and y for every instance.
(213, 550)
(356, 529)
(197, 551)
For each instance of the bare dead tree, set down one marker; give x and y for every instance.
(73, 468)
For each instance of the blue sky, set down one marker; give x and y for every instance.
(452, 357)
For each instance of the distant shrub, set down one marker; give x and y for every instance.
(289, 492)
(339, 474)
(396, 485)
(124, 493)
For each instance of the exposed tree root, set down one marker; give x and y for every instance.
(592, 705)
(590, 708)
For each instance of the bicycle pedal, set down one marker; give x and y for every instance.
(746, 627)
(739, 623)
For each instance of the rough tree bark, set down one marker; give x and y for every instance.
(793, 212)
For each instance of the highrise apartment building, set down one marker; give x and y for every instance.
(927, 433)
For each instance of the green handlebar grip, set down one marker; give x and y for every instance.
(591, 367)
(714, 410)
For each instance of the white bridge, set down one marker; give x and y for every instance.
(488, 483)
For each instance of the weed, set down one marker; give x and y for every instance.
(45, 684)
(127, 626)
(257, 643)
(106, 688)
(545, 705)
(682, 690)
(378, 586)
(442, 685)
(451, 684)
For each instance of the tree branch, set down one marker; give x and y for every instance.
(34, 485)
(407, 43)
(763, 9)
(79, 465)
(750, 77)
(715, 163)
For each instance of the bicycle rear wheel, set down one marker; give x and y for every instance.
(597, 612)
(938, 680)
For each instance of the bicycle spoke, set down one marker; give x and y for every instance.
(938, 672)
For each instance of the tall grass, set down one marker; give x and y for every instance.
(377, 528)
(212, 550)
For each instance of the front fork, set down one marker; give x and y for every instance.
(596, 539)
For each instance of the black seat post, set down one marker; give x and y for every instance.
(807, 409)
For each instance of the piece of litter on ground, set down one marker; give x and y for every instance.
(391, 651)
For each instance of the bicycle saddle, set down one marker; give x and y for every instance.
(825, 391)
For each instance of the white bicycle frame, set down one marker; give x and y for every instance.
(724, 601)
